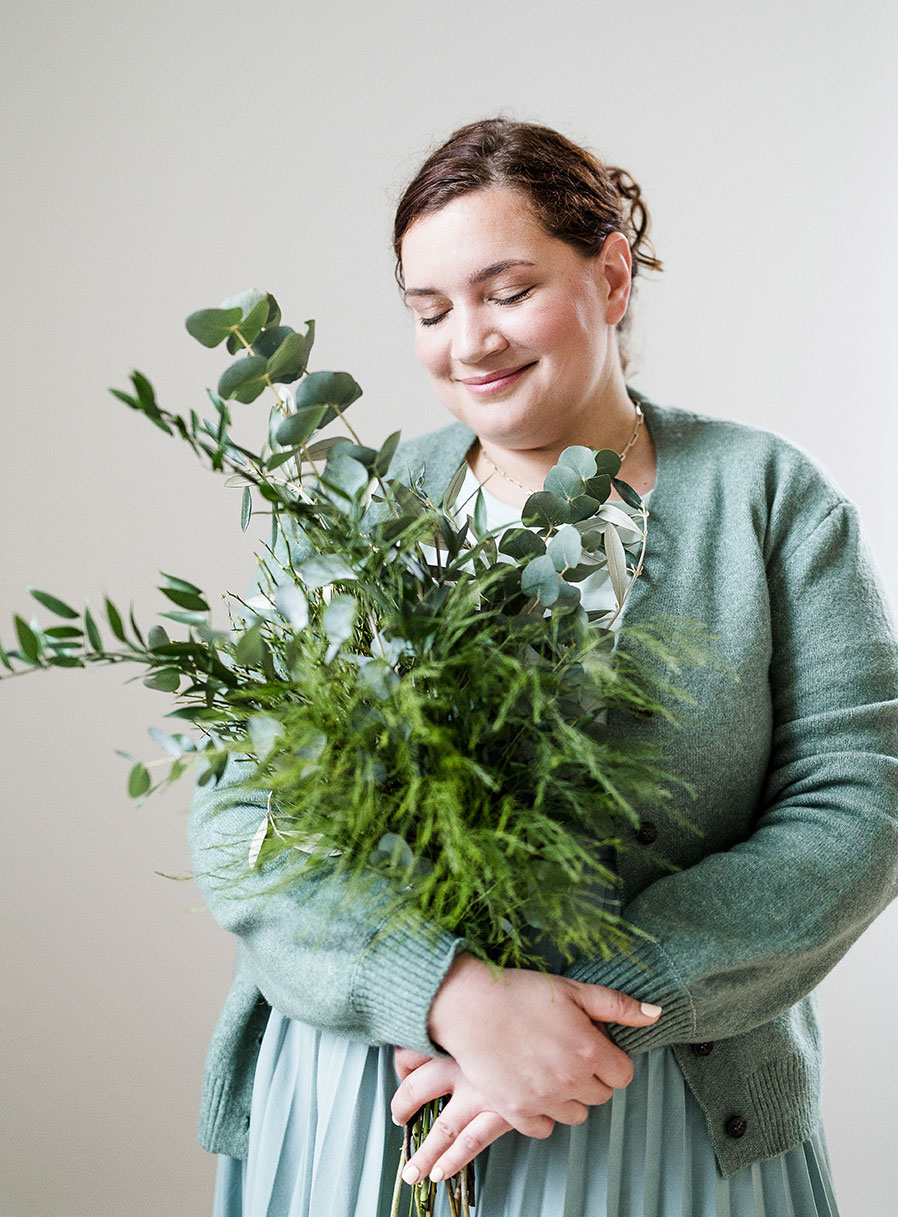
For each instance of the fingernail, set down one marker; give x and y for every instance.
(395, 1121)
(410, 1174)
(436, 1174)
(649, 1010)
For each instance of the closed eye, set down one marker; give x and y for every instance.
(516, 299)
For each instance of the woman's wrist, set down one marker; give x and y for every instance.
(456, 997)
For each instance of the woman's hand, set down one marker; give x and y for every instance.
(463, 1128)
(528, 1043)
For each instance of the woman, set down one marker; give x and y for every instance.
(685, 1082)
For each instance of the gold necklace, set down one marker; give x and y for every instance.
(630, 442)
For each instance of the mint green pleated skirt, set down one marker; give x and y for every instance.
(322, 1144)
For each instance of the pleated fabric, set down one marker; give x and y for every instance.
(322, 1144)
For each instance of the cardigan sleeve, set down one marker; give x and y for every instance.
(743, 934)
(314, 954)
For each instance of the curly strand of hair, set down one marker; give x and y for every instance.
(637, 219)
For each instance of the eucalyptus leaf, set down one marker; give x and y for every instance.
(325, 569)
(210, 326)
(565, 548)
(58, 660)
(244, 379)
(296, 428)
(157, 637)
(579, 458)
(293, 605)
(607, 462)
(563, 481)
(63, 632)
(166, 680)
(139, 779)
(539, 578)
(322, 447)
(246, 509)
(168, 743)
(521, 543)
(289, 361)
(327, 389)
(339, 623)
(270, 339)
(182, 584)
(263, 732)
(55, 605)
(346, 475)
(252, 322)
(546, 510)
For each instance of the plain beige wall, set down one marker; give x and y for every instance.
(160, 156)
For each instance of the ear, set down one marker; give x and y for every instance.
(614, 265)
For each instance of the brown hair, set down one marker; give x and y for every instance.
(574, 196)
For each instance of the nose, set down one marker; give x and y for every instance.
(475, 335)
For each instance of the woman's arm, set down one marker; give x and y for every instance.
(744, 934)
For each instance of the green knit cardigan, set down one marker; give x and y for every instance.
(795, 771)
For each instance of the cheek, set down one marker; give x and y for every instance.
(430, 351)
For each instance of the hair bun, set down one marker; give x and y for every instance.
(637, 219)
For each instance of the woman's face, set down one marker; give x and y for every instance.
(514, 327)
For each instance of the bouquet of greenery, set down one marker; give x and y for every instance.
(422, 699)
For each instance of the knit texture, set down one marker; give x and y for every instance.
(790, 744)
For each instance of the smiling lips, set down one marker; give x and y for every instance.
(493, 382)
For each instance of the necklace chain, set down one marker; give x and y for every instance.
(623, 455)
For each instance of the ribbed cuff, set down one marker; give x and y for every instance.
(396, 981)
(647, 976)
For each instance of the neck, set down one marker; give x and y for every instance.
(525, 464)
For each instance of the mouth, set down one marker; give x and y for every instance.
(494, 382)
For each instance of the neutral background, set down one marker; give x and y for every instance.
(160, 156)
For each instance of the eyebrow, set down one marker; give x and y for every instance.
(479, 276)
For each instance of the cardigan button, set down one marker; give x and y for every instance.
(703, 1049)
(647, 833)
(736, 1126)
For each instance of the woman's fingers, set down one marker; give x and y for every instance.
(431, 1080)
(407, 1059)
(458, 1135)
(611, 1006)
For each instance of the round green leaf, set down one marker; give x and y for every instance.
(579, 458)
(244, 379)
(296, 428)
(563, 481)
(546, 510)
(289, 361)
(210, 326)
(521, 543)
(339, 623)
(540, 578)
(607, 462)
(324, 569)
(565, 548)
(292, 604)
(328, 389)
(345, 475)
(166, 680)
(157, 637)
(269, 340)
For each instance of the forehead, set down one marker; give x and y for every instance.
(475, 230)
